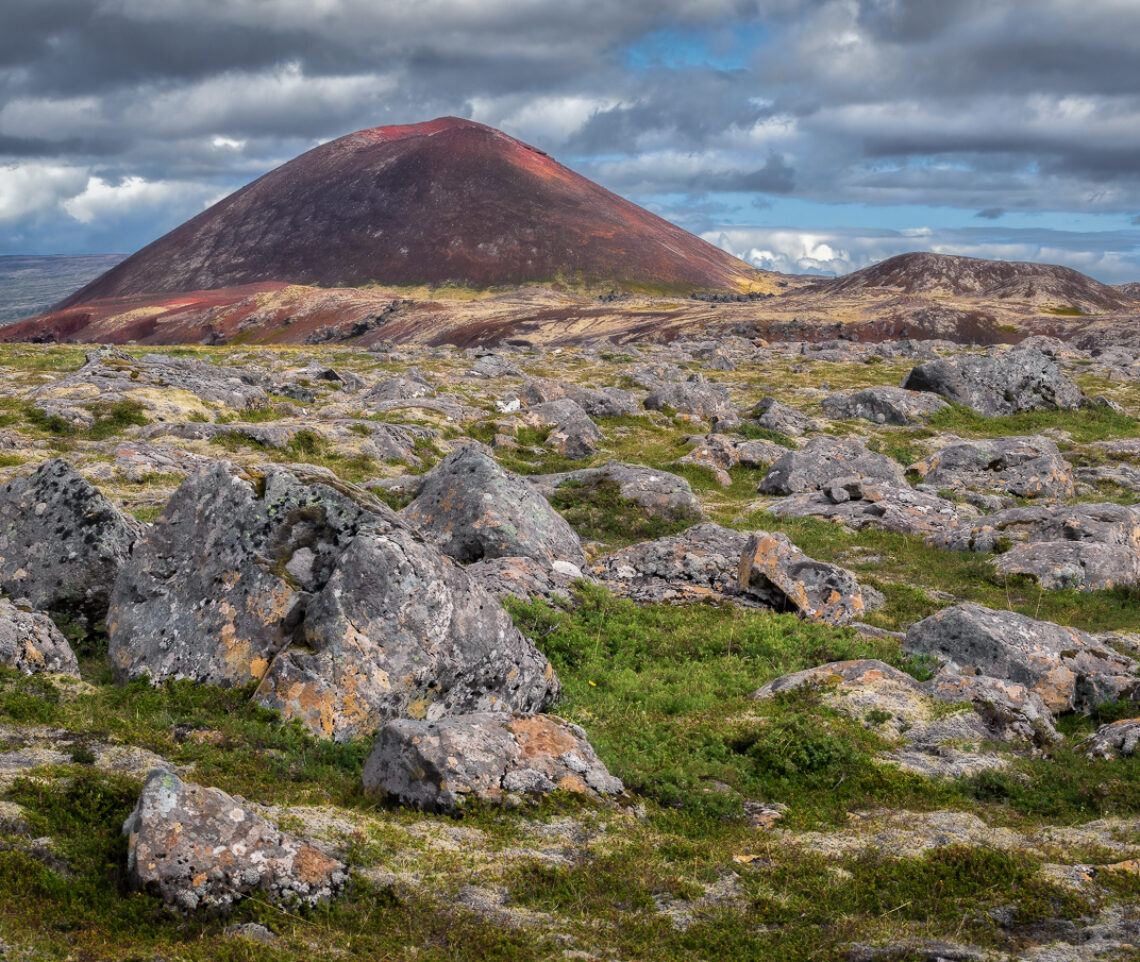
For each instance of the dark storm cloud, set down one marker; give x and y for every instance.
(116, 110)
(991, 213)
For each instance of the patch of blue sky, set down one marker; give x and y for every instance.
(727, 46)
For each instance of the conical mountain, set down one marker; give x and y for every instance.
(448, 201)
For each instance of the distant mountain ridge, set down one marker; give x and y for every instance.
(449, 201)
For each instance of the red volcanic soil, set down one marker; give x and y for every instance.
(449, 201)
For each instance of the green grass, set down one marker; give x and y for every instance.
(1093, 423)
(597, 512)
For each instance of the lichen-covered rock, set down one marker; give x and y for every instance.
(859, 504)
(471, 508)
(1028, 467)
(777, 573)
(1011, 711)
(701, 563)
(823, 460)
(572, 433)
(201, 849)
(1072, 565)
(440, 765)
(1103, 524)
(1117, 739)
(883, 405)
(1066, 667)
(773, 415)
(608, 402)
(343, 614)
(715, 453)
(658, 493)
(694, 396)
(1005, 383)
(31, 643)
(524, 578)
(61, 542)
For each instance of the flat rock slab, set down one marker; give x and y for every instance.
(1004, 383)
(1103, 524)
(1067, 668)
(202, 849)
(859, 504)
(438, 766)
(883, 405)
(1072, 565)
(659, 493)
(1028, 467)
(472, 509)
(31, 643)
(825, 459)
(342, 613)
(62, 542)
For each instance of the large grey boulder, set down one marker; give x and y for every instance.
(31, 643)
(201, 849)
(471, 508)
(695, 396)
(525, 578)
(1067, 668)
(773, 415)
(883, 405)
(572, 433)
(1028, 467)
(1117, 739)
(823, 460)
(659, 494)
(341, 612)
(860, 504)
(61, 542)
(439, 766)
(1005, 383)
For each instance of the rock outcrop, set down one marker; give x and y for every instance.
(823, 460)
(993, 384)
(342, 613)
(31, 643)
(490, 756)
(1028, 467)
(659, 494)
(883, 405)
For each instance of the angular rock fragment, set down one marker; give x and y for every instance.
(883, 405)
(1005, 383)
(1117, 739)
(31, 643)
(440, 765)
(775, 572)
(1066, 667)
(201, 849)
(659, 493)
(61, 542)
(859, 504)
(694, 396)
(473, 509)
(1028, 467)
(773, 415)
(824, 459)
(341, 612)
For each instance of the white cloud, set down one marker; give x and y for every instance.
(29, 189)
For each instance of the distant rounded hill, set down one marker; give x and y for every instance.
(444, 202)
(921, 273)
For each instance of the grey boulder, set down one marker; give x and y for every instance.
(883, 405)
(31, 643)
(1005, 383)
(1099, 523)
(62, 542)
(773, 415)
(201, 849)
(471, 509)
(659, 494)
(695, 396)
(1028, 467)
(1076, 565)
(823, 460)
(1115, 740)
(1067, 668)
(342, 613)
(439, 766)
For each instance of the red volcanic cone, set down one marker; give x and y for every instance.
(449, 201)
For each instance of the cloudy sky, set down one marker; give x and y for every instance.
(803, 135)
